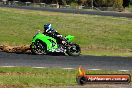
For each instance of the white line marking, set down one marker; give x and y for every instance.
(68, 68)
(9, 66)
(124, 70)
(39, 67)
(93, 69)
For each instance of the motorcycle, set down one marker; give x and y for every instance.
(43, 44)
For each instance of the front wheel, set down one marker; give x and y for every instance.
(38, 48)
(73, 50)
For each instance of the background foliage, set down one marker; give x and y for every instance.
(96, 3)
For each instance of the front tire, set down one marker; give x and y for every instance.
(38, 48)
(73, 49)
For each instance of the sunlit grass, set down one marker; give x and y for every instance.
(18, 26)
(28, 76)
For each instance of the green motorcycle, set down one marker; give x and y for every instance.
(43, 44)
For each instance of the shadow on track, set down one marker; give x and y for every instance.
(49, 54)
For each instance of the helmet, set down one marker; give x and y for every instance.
(47, 27)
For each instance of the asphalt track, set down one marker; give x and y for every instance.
(75, 11)
(89, 62)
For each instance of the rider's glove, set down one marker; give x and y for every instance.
(59, 35)
(63, 42)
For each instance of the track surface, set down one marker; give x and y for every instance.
(76, 11)
(89, 62)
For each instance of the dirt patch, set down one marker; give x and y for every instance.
(75, 86)
(15, 49)
(72, 86)
(91, 86)
(11, 86)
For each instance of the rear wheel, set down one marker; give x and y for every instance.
(73, 50)
(38, 47)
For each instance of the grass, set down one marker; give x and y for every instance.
(97, 32)
(102, 52)
(31, 76)
(27, 76)
(130, 6)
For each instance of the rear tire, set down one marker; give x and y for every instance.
(38, 48)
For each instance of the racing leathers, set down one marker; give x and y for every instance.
(54, 34)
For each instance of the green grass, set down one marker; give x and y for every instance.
(99, 32)
(27, 76)
(33, 77)
(101, 52)
(130, 6)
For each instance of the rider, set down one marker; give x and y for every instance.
(49, 31)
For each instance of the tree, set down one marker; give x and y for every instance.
(103, 3)
(118, 5)
(82, 2)
(131, 2)
(126, 3)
